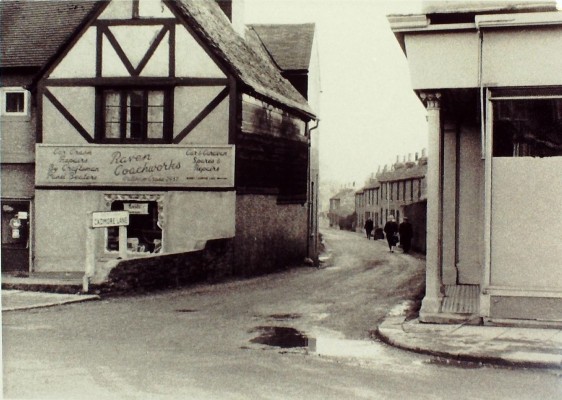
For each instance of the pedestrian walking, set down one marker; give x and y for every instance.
(406, 233)
(391, 231)
(368, 227)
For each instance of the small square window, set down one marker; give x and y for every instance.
(14, 101)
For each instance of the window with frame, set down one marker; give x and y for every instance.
(135, 116)
(144, 233)
(527, 128)
(14, 101)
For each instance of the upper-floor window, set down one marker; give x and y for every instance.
(135, 116)
(14, 101)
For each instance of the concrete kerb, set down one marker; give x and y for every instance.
(431, 342)
(27, 300)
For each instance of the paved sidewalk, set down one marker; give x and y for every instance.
(13, 300)
(511, 346)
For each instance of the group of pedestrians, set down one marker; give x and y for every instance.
(394, 233)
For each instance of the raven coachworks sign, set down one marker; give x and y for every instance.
(116, 165)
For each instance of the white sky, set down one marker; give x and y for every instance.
(369, 113)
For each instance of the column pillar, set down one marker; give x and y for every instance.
(431, 304)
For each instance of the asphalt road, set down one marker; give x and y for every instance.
(224, 341)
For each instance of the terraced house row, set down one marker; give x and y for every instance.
(399, 191)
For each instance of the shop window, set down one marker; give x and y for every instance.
(135, 116)
(14, 101)
(527, 128)
(144, 233)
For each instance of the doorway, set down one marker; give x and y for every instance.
(15, 236)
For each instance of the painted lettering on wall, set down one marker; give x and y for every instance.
(166, 165)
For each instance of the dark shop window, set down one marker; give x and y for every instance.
(527, 128)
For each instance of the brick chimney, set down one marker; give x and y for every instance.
(234, 10)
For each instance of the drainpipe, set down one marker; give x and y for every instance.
(312, 233)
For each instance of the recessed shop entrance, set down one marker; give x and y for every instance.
(15, 236)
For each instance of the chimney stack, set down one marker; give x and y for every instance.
(234, 10)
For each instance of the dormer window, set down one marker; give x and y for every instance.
(14, 101)
(135, 116)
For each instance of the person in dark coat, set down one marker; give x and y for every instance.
(368, 227)
(406, 233)
(391, 231)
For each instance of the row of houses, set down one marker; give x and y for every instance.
(399, 191)
(197, 127)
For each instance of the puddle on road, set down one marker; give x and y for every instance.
(280, 336)
(364, 349)
(287, 337)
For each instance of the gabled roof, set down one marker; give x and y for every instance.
(290, 45)
(247, 62)
(32, 31)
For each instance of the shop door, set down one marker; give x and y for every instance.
(15, 236)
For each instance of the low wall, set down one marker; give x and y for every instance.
(210, 264)
(269, 236)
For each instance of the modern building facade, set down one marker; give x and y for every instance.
(157, 108)
(489, 75)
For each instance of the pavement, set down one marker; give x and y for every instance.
(508, 346)
(14, 300)
(496, 345)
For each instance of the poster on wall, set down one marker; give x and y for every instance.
(120, 165)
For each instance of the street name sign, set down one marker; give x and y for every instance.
(105, 219)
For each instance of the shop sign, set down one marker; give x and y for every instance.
(132, 165)
(136, 208)
(105, 219)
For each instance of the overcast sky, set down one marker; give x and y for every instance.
(369, 113)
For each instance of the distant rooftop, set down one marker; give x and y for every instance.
(465, 6)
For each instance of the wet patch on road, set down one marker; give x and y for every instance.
(373, 264)
(284, 317)
(280, 336)
(449, 362)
